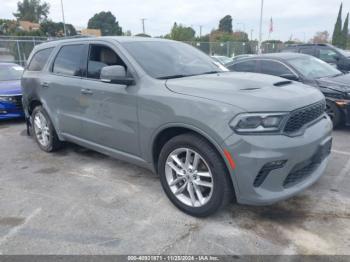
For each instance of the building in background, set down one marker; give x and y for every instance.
(28, 26)
(90, 32)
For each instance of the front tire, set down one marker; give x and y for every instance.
(194, 176)
(334, 113)
(43, 131)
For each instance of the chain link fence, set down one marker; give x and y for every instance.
(17, 49)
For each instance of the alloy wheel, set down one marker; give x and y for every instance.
(41, 129)
(189, 177)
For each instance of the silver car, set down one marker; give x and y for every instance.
(212, 136)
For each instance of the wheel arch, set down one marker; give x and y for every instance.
(170, 131)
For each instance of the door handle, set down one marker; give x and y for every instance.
(44, 85)
(86, 91)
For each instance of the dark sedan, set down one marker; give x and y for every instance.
(10, 91)
(334, 84)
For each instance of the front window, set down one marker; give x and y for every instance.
(313, 68)
(164, 60)
(10, 72)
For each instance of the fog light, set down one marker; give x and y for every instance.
(275, 164)
(3, 112)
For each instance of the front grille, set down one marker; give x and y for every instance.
(17, 101)
(303, 116)
(305, 169)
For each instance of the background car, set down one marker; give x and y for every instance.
(224, 60)
(334, 84)
(330, 54)
(10, 91)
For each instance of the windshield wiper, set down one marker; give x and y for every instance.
(211, 72)
(173, 76)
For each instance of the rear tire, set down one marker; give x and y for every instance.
(43, 130)
(207, 175)
(334, 113)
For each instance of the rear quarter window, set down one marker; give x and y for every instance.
(39, 59)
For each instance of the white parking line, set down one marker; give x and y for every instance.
(341, 152)
(14, 230)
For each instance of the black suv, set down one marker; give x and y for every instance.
(326, 52)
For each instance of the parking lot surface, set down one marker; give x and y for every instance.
(77, 201)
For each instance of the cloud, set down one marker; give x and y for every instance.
(298, 17)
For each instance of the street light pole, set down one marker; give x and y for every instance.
(143, 25)
(260, 28)
(64, 23)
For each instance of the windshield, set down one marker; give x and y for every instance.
(223, 59)
(345, 53)
(165, 60)
(313, 68)
(10, 72)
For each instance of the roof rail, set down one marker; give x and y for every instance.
(69, 37)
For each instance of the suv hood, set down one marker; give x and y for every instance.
(251, 92)
(338, 83)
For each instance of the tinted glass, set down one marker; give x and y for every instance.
(328, 55)
(39, 59)
(68, 60)
(100, 57)
(307, 50)
(313, 68)
(10, 72)
(247, 66)
(273, 68)
(163, 59)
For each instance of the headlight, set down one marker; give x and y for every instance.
(258, 123)
(5, 98)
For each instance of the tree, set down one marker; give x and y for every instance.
(32, 10)
(225, 24)
(345, 32)
(106, 22)
(337, 33)
(53, 29)
(320, 38)
(181, 33)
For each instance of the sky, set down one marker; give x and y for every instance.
(299, 19)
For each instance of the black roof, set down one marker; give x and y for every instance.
(275, 56)
(301, 45)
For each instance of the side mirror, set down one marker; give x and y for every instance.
(116, 75)
(291, 77)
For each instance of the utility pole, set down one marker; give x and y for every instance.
(260, 27)
(251, 34)
(143, 25)
(64, 22)
(200, 31)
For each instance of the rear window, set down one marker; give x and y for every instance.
(68, 60)
(39, 59)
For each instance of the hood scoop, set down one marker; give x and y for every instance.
(283, 83)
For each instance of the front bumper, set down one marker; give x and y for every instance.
(10, 110)
(252, 153)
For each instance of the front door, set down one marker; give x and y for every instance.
(109, 110)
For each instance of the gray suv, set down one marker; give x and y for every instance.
(211, 135)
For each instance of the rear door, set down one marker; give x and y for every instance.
(62, 86)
